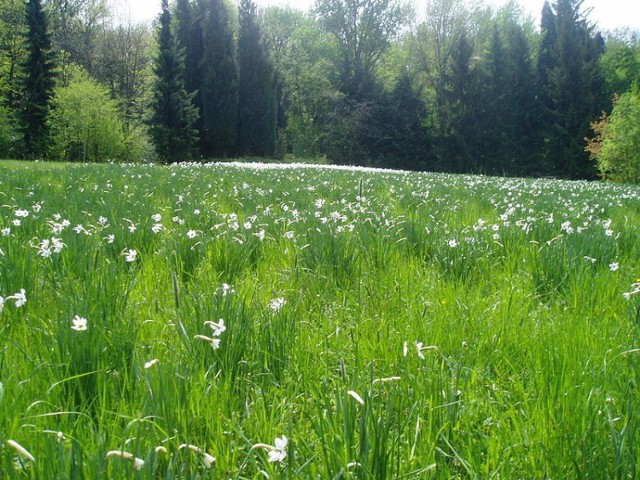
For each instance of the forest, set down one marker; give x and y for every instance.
(440, 85)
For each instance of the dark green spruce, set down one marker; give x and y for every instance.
(173, 115)
(257, 88)
(38, 83)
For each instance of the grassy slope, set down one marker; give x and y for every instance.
(534, 374)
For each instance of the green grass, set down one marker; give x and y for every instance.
(533, 365)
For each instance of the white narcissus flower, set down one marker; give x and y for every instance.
(130, 255)
(217, 328)
(138, 463)
(79, 324)
(20, 297)
(151, 363)
(277, 452)
(280, 449)
(207, 459)
(214, 342)
(356, 397)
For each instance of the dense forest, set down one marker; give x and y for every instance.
(444, 85)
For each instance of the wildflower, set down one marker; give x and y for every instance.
(21, 213)
(421, 348)
(79, 324)
(138, 463)
(20, 298)
(132, 227)
(110, 238)
(156, 228)
(260, 234)
(289, 235)
(217, 328)
(276, 304)
(227, 289)
(207, 459)
(6, 231)
(130, 255)
(215, 342)
(156, 217)
(16, 222)
(21, 450)
(356, 397)
(161, 449)
(151, 363)
(277, 452)
(387, 380)
(614, 266)
(192, 234)
(103, 221)
(196, 211)
(452, 243)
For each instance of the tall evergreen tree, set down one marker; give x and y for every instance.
(219, 81)
(572, 87)
(39, 82)
(257, 88)
(172, 122)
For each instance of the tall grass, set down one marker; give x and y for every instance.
(388, 324)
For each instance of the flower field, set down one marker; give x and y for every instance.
(233, 321)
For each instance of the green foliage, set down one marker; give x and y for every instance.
(84, 124)
(619, 155)
(389, 324)
(173, 119)
(219, 81)
(9, 134)
(38, 82)
(621, 64)
(572, 86)
(257, 88)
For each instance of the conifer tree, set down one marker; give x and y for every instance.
(39, 82)
(172, 122)
(572, 87)
(257, 89)
(219, 81)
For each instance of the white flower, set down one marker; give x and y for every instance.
(452, 243)
(156, 217)
(217, 328)
(420, 348)
(227, 289)
(289, 235)
(192, 234)
(156, 228)
(151, 363)
(110, 238)
(356, 397)
(214, 342)
(16, 222)
(79, 324)
(277, 452)
(138, 463)
(614, 266)
(19, 297)
(130, 255)
(21, 213)
(207, 459)
(6, 231)
(276, 304)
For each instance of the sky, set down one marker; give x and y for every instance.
(608, 14)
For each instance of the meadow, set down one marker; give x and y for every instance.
(249, 321)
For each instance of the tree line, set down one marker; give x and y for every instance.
(466, 89)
